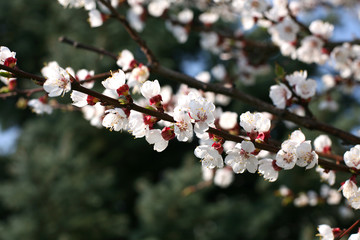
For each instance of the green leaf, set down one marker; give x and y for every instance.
(4, 90)
(279, 71)
(6, 74)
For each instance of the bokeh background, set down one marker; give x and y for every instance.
(66, 180)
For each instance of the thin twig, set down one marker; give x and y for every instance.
(87, 47)
(133, 34)
(347, 230)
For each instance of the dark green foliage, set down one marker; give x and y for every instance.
(61, 187)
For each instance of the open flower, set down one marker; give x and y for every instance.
(116, 80)
(39, 106)
(154, 137)
(255, 124)
(286, 157)
(57, 82)
(115, 119)
(223, 177)
(322, 144)
(241, 157)
(150, 89)
(138, 76)
(352, 157)
(325, 232)
(306, 157)
(209, 156)
(7, 57)
(125, 60)
(183, 127)
(201, 110)
(269, 169)
(280, 95)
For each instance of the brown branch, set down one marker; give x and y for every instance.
(96, 77)
(8, 94)
(87, 47)
(114, 102)
(20, 73)
(255, 102)
(133, 34)
(347, 230)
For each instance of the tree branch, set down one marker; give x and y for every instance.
(87, 47)
(163, 116)
(133, 34)
(260, 105)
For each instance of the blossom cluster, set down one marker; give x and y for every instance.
(7, 58)
(96, 10)
(328, 233)
(190, 113)
(311, 198)
(300, 87)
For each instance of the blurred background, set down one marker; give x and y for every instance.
(61, 178)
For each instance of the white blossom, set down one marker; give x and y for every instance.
(241, 158)
(207, 173)
(116, 80)
(185, 16)
(334, 197)
(5, 53)
(39, 107)
(354, 200)
(297, 136)
(228, 120)
(57, 80)
(95, 18)
(267, 169)
(310, 50)
(84, 74)
(136, 124)
(150, 89)
(328, 81)
(301, 200)
(209, 156)
(156, 8)
(352, 157)
(201, 110)
(208, 18)
(79, 98)
(223, 177)
(286, 30)
(183, 127)
(138, 76)
(355, 236)
(280, 95)
(296, 77)
(325, 232)
(94, 114)
(115, 119)
(219, 72)
(306, 157)
(322, 144)
(154, 137)
(134, 17)
(328, 176)
(125, 59)
(306, 88)
(349, 188)
(286, 156)
(322, 29)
